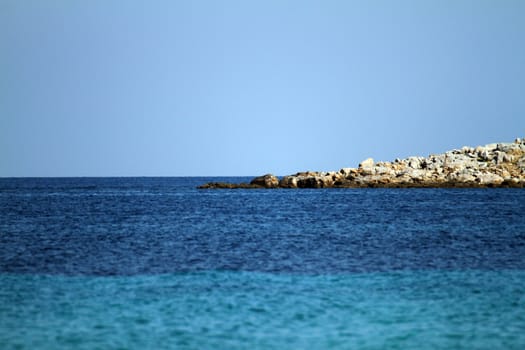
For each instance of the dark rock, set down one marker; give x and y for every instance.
(288, 182)
(266, 181)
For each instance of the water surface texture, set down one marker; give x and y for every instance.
(134, 263)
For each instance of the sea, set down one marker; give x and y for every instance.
(155, 263)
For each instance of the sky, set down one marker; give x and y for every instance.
(226, 88)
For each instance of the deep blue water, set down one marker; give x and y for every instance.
(156, 263)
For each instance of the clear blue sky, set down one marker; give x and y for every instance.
(176, 88)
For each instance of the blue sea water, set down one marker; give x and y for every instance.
(134, 263)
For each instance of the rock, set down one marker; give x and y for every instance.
(417, 175)
(489, 179)
(316, 180)
(463, 177)
(345, 172)
(327, 180)
(502, 157)
(215, 185)
(266, 181)
(491, 147)
(493, 165)
(513, 182)
(467, 150)
(307, 173)
(485, 155)
(414, 162)
(384, 170)
(367, 171)
(403, 178)
(288, 182)
(335, 176)
(309, 182)
(367, 163)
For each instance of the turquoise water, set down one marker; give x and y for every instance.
(240, 310)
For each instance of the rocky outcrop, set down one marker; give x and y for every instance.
(266, 181)
(493, 165)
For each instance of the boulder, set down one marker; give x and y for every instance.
(308, 182)
(367, 163)
(502, 157)
(345, 172)
(489, 179)
(266, 181)
(417, 175)
(288, 182)
(491, 147)
(463, 178)
(485, 155)
(384, 170)
(314, 182)
(414, 162)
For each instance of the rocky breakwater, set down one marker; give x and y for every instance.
(493, 165)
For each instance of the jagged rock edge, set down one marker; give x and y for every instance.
(492, 165)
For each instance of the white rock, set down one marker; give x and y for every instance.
(500, 157)
(367, 163)
(460, 177)
(383, 170)
(485, 155)
(417, 174)
(489, 178)
(414, 162)
(346, 171)
(491, 146)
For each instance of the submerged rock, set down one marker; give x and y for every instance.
(492, 165)
(225, 185)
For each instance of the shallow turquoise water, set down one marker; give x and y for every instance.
(241, 310)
